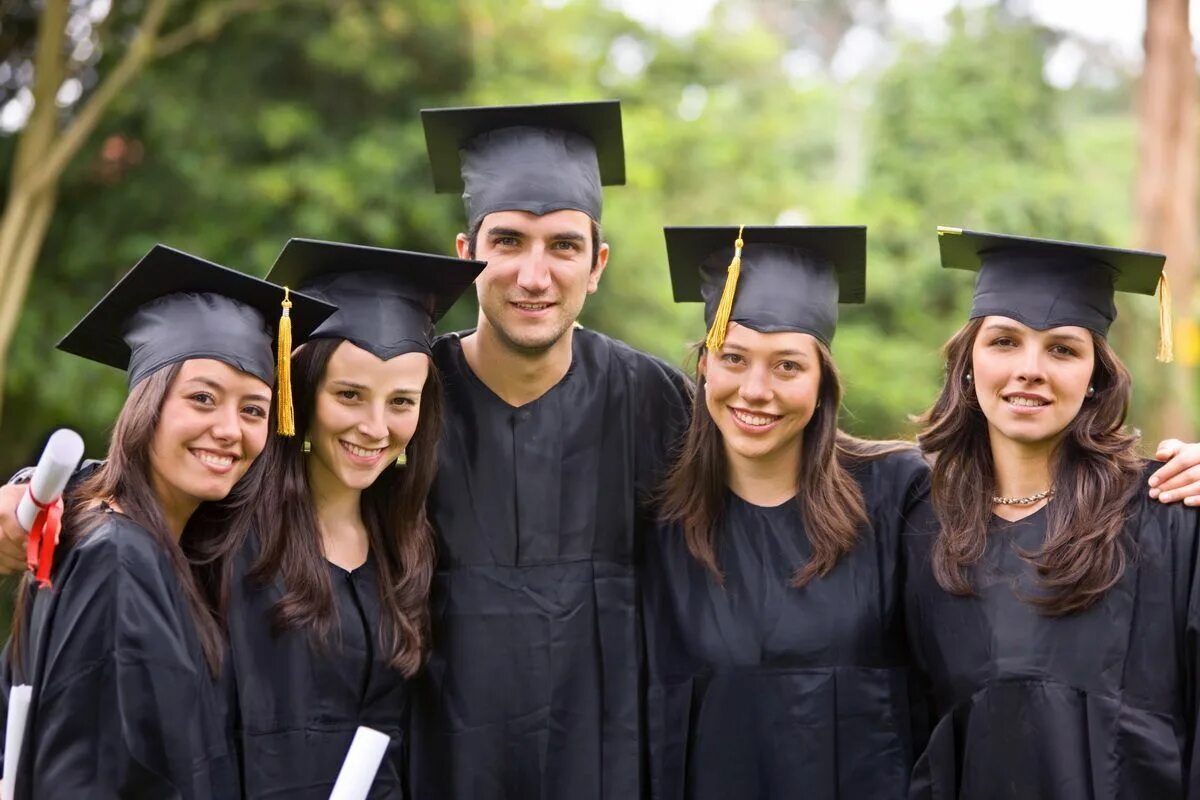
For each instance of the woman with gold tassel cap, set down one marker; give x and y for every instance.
(326, 588)
(123, 654)
(775, 647)
(1053, 608)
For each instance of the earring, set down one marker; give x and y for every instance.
(969, 378)
(307, 446)
(402, 459)
(1091, 392)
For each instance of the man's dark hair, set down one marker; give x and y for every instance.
(473, 240)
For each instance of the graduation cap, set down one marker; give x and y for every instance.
(1044, 283)
(768, 278)
(387, 300)
(173, 306)
(535, 158)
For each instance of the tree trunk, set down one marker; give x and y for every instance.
(1166, 189)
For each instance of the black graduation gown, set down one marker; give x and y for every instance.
(761, 690)
(124, 704)
(1099, 704)
(532, 689)
(299, 703)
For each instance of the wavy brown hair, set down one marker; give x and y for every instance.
(393, 509)
(124, 480)
(831, 501)
(1095, 471)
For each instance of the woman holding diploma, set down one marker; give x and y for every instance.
(123, 654)
(327, 592)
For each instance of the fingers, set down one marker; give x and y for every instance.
(1167, 449)
(12, 537)
(1184, 456)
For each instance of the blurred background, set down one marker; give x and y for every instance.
(224, 127)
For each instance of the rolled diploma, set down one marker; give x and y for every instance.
(361, 764)
(18, 711)
(55, 467)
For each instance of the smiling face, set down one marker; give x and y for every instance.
(539, 270)
(761, 390)
(1030, 384)
(212, 426)
(365, 413)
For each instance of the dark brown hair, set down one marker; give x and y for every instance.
(1095, 472)
(831, 501)
(473, 240)
(124, 480)
(393, 508)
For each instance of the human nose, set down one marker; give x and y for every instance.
(756, 386)
(534, 274)
(372, 424)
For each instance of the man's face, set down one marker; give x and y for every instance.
(539, 270)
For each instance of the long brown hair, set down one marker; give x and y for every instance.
(393, 508)
(1095, 471)
(124, 480)
(831, 501)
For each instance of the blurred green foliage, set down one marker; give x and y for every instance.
(302, 121)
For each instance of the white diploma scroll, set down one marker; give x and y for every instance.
(361, 764)
(58, 462)
(18, 711)
(54, 469)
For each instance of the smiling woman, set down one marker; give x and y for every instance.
(124, 654)
(774, 642)
(326, 585)
(1052, 606)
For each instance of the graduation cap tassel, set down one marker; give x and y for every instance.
(1166, 322)
(283, 369)
(720, 326)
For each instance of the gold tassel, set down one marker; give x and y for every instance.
(720, 326)
(283, 369)
(1166, 322)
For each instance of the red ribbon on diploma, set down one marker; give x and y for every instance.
(39, 550)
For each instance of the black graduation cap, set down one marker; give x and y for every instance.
(173, 306)
(535, 158)
(770, 279)
(1045, 283)
(387, 300)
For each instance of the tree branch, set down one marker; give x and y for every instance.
(207, 23)
(77, 131)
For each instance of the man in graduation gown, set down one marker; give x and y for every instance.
(554, 435)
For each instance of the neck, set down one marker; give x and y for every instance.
(338, 509)
(176, 508)
(516, 376)
(768, 480)
(1022, 469)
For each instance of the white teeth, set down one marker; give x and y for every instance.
(532, 306)
(215, 460)
(752, 419)
(361, 452)
(1025, 401)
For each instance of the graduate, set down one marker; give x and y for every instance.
(553, 436)
(125, 659)
(327, 604)
(774, 633)
(1053, 607)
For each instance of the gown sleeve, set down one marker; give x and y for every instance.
(115, 704)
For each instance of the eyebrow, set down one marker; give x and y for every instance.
(775, 353)
(1000, 327)
(505, 232)
(363, 388)
(210, 383)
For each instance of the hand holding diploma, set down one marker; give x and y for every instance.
(362, 762)
(41, 508)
